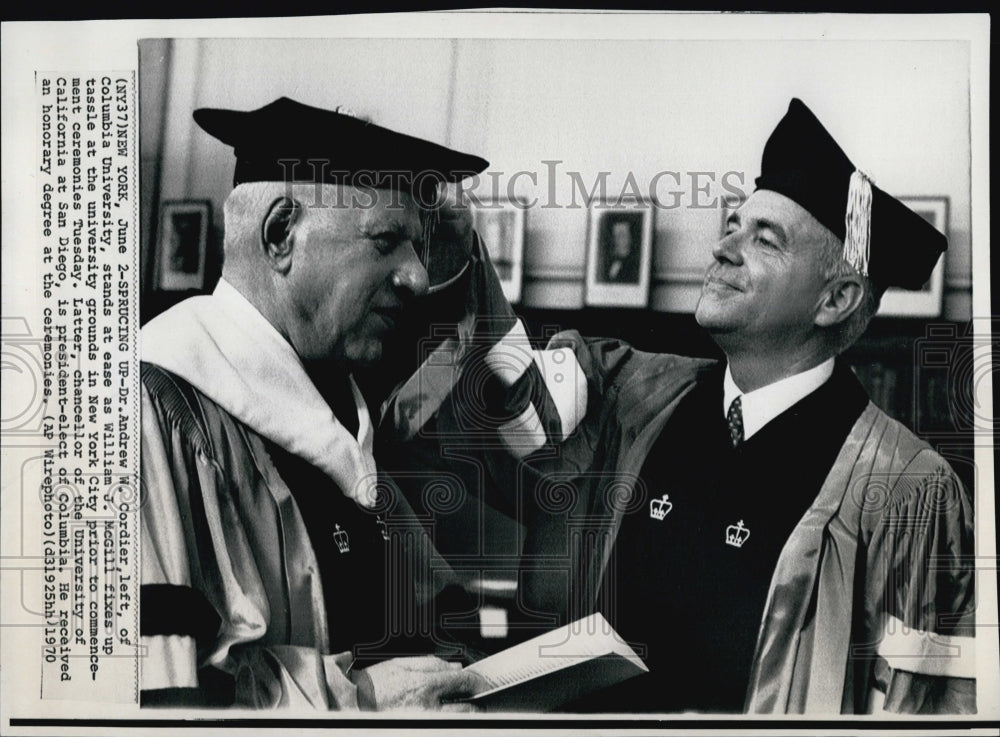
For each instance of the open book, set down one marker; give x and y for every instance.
(555, 668)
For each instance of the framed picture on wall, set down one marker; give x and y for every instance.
(182, 245)
(926, 301)
(500, 224)
(619, 253)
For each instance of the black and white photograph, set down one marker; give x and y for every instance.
(398, 374)
(619, 244)
(182, 245)
(500, 224)
(619, 254)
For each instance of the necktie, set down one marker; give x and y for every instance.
(735, 419)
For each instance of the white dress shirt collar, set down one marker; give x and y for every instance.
(763, 405)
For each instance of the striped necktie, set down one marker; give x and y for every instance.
(734, 417)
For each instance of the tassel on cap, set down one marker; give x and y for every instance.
(432, 217)
(858, 221)
(882, 237)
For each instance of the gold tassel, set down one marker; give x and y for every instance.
(858, 221)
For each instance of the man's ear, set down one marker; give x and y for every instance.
(840, 299)
(277, 231)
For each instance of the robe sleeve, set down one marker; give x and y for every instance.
(923, 593)
(204, 612)
(490, 373)
(538, 396)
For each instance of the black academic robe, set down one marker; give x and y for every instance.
(871, 602)
(688, 589)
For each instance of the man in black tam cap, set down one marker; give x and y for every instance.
(791, 548)
(766, 537)
(799, 550)
(278, 564)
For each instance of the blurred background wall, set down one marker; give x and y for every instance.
(899, 109)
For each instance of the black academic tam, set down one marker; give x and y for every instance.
(289, 141)
(803, 162)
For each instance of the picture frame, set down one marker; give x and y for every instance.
(500, 224)
(619, 253)
(927, 301)
(182, 245)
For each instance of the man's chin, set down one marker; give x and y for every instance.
(365, 356)
(713, 316)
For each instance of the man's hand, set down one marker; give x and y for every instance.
(416, 683)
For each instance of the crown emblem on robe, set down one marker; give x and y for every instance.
(737, 534)
(660, 508)
(382, 527)
(340, 537)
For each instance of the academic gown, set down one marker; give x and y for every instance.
(686, 590)
(871, 602)
(267, 578)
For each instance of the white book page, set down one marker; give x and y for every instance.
(584, 639)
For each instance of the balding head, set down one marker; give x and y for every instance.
(331, 267)
(244, 212)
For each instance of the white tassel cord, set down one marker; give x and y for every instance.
(857, 221)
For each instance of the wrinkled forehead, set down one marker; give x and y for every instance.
(769, 207)
(774, 205)
(368, 211)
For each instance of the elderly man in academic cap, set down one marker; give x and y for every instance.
(765, 536)
(279, 567)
